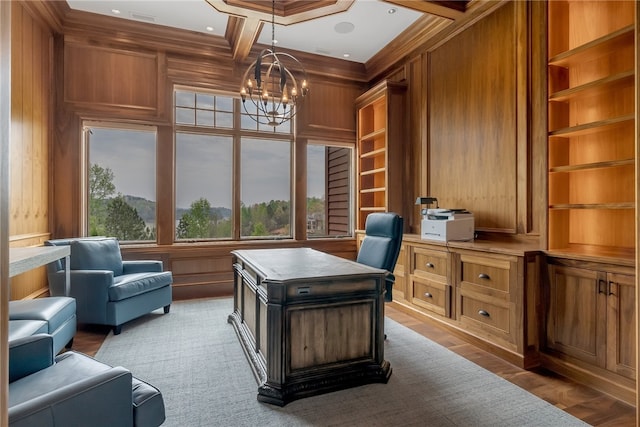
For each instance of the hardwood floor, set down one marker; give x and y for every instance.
(591, 406)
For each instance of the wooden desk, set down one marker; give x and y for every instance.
(309, 322)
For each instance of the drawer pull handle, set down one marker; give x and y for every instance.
(484, 313)
(483, 276)
(428, 295)
(429, 265)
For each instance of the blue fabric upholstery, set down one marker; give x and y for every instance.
(57, 313)
(381, 245)
(107, 289)
(75, 390)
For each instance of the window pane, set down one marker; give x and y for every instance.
(204, 118)
(328, 191)
(204, 101)
(185, 99)
(266, 187)
(122, 183)
(185, 116)
(203, 186)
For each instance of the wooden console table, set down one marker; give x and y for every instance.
(309, 322)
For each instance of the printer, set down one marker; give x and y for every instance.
(445, 224)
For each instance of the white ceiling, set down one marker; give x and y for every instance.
(373, 25)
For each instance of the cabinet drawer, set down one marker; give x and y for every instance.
(431, 262)
(486, 313)
(486, 272)
(433, 296)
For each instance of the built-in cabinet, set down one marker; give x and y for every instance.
(591, 118)
(489, 296)
(591, 322)
(589, 293)
(381, 130)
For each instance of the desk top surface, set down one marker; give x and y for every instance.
(290, 264)
(25, 259)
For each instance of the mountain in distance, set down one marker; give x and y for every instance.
(147, 209)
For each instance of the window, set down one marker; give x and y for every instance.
(328, 191)
(204, 186)
(121, 182)
(266, 188)
(217, 143)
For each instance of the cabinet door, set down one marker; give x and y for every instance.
(621, 321)
(576, 322)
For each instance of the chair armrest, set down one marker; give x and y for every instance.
(29, 354)
(94, 280)
(141, 266)
(102, 399)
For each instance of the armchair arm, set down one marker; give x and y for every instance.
(102, 399)
(141, 266)
(29, 354)
(90, 288)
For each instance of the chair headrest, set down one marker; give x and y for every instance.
(383, 224)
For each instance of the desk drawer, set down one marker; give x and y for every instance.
(487, 272)
(430, 262)
(485, 313)
(432, 295)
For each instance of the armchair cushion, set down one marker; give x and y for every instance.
(29, 354)
(129, 285)
(96, 254)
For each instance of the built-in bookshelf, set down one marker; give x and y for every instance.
(381, 133)
(591, 117)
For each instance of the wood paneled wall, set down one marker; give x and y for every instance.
(107, 69)
(473, 133)
(461, 110)
(29, 162)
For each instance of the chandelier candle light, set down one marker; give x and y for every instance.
(274, 92)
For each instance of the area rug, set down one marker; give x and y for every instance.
(194, 357)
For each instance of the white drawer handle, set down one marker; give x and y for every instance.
(484, 313)
(429, 265)
(428, 295)
(483, 276)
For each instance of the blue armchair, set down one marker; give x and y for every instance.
(108, 290)
(75, 390)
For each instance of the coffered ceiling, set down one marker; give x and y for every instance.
(353, 30)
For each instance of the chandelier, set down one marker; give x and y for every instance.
(273, 93)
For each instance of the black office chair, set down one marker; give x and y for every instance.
(381, 245)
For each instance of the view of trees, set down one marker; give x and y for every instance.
(113, 216)
(123, 216)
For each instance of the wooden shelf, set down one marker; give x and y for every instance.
(373, 135)
(564, 206)
(381, 135)
(595, 87)
(373, 171)
(594, 49)
(591, 127)
(597, 165)
(373, 190)
(373, 153)
(591, 135)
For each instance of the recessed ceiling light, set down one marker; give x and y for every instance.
(115, 11)
(392, 10)
(209, 28)
(346, 55)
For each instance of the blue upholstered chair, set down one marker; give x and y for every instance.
(108, 290)
(73, 389)
(55, 316)
(381, 245)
